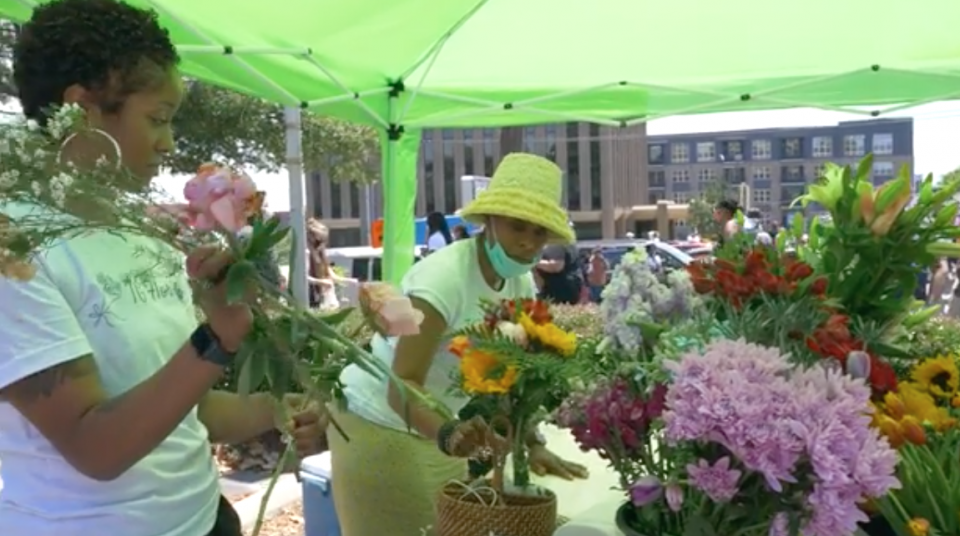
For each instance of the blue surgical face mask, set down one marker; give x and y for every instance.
(502, 263)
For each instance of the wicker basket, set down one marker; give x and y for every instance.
(513, 515)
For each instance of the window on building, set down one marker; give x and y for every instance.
(679, 153)
(883, 170)
(596, 175)
(655, 195)
(761, 173)
(706, 151)
(822, 146)
(882, 143)
(706, 175)
(761, 149)
(657, 179)
(573, 171)
(818, 171)
(791, 174)
(733, 151)
(734, 176)
(854, 145)
(792, 147)
(761, 195)
(790, 192)
(655, 154)
(680, 175)
(681, 197)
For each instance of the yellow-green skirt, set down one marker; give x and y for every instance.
(385, 481)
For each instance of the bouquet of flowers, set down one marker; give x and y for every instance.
(638, 304)
(515, 365)
(772, 299)
(920, 420)
(876, 240)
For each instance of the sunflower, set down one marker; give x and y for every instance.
(549, 335)
(938, 376)
(484, 374)
(919, 404)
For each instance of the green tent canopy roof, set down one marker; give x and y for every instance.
(473, 63)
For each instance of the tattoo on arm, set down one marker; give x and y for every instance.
(43, 384)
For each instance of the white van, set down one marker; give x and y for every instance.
(361, 264)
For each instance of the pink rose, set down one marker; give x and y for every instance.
(219, 197)
(390, 313)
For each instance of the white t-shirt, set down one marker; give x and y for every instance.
(436, 241)
(106, 296)
(450, 281)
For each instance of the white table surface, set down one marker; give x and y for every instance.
(586, 502)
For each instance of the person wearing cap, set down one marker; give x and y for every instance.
(401, 453)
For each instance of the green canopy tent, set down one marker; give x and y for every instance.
(404, 65)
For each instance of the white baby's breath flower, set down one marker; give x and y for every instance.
(32, 125)
(37, 188)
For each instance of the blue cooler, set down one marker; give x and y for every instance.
(319, 515)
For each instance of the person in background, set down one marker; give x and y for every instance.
(107, 400)
(321, 276)
(654, 263)
(561, 274)
(725, 214)
(597, 268)
(460, 232)
(400, 453)
(438, 232)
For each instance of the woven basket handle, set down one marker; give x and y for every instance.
(500, 455)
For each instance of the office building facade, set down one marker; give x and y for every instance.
(604, 170)
(776, 164)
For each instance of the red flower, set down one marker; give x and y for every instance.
(883, 378)
(819, 286)
(797, 271)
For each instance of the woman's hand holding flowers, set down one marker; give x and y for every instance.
(231, 322)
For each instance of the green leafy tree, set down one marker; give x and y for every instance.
(220, 124)
(952, 176)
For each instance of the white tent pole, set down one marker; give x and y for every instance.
(298, 204)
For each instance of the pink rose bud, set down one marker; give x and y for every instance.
(390, 313)
(674, 496)
(645, 490)
(858, 364)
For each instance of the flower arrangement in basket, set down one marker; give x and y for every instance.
(518, 364)
(738, 441)
(921, 420)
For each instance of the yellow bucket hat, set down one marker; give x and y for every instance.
(526, 187)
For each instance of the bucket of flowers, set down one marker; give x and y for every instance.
(518, 364)
(737, 441)
(921, 421)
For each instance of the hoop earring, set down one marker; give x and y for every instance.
(111, 139)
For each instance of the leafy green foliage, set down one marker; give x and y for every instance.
(243, 131)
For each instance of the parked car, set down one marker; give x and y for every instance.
(614, 250)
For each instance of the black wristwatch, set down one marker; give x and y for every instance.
(208, 346)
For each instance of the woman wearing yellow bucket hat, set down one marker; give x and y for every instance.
(387, 476)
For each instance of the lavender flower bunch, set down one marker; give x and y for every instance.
(637, 296)
(795, 445)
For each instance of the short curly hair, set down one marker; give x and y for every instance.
(106, 46)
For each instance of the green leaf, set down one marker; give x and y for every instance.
(337, 317)
(239, 278)
(697, 525)
(252, 371)
(279, 375)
